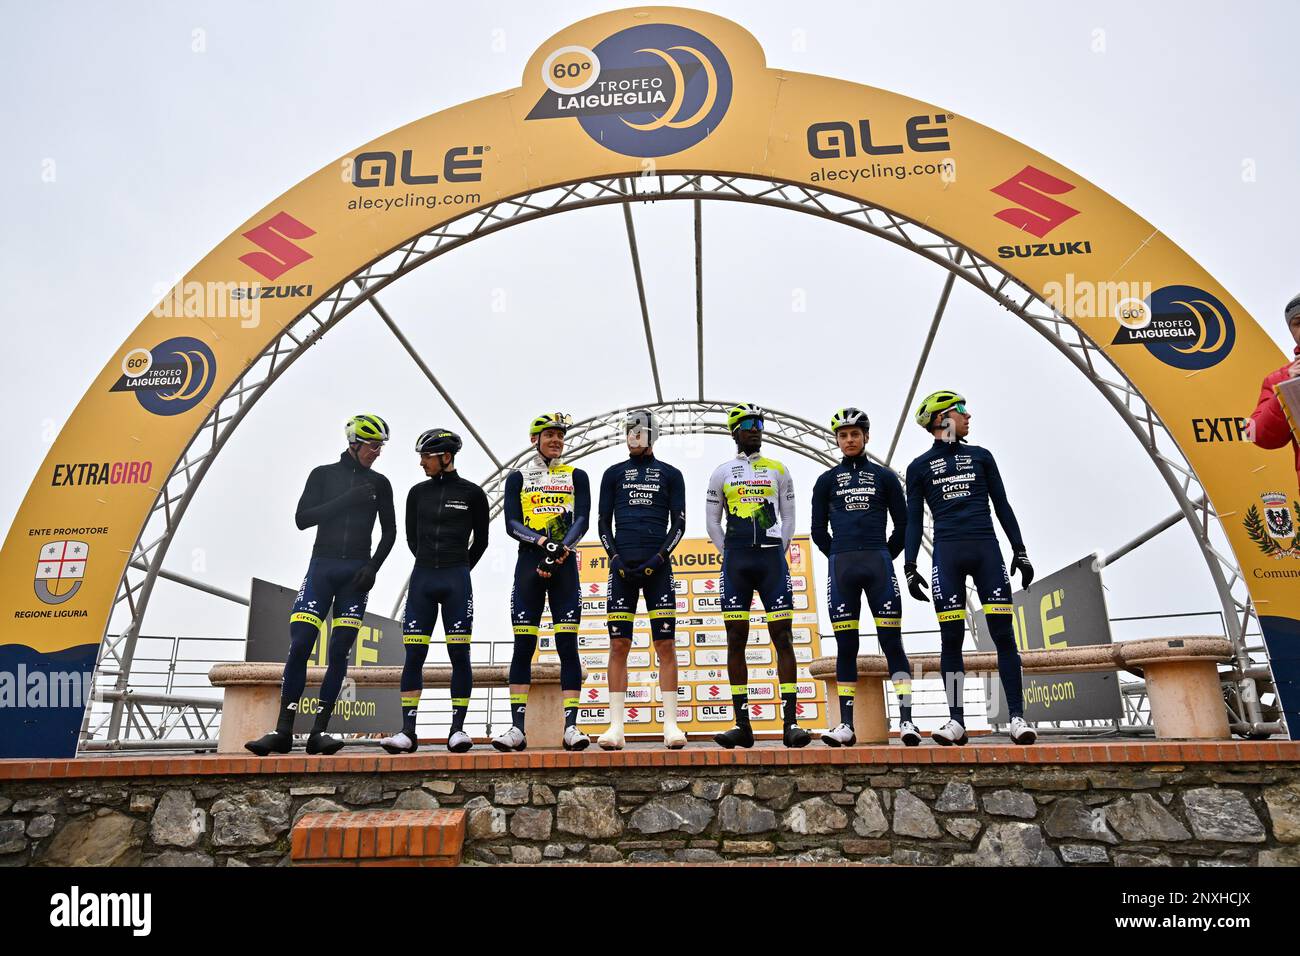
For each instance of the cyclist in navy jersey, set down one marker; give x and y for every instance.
(642, 517)
(959, 481)
(852, 505)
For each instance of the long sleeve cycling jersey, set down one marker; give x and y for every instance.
(547, 498)
(642, 508)
(758, 497)
(446, 522)
(850, 505)
(957, 481)
(341, 501)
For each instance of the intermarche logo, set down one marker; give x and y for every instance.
(278, 254)
(1035, 211)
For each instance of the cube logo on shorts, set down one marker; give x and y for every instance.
(171, 378)
(1181, 325)
(650, 90)
(60, 570)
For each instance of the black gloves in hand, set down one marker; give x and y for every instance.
(1021, 563)
(617, 565)
(915, 583)
(653, 565)
(363, 580)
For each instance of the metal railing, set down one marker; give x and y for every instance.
(171, 705)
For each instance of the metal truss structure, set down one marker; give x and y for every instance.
(362, 289)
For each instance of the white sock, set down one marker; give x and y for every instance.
(616, 710)
(670, 710)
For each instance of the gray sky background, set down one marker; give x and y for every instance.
(160, 151)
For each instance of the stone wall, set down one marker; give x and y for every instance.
(1123, 814)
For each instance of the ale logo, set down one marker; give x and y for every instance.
(170, 378)
(649, 90)
(1274, 532)
(1182, 326)
(60, 570)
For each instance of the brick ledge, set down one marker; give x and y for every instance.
(703, 755)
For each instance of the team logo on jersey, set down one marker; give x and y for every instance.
(60, 570)
(1274, 530)
(938, 466)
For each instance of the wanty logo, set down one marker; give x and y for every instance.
(60, 570)
(1274, 532)
(1182, 326)
(649, 90)
(170, 378)
(1037, 213)
(279, 255)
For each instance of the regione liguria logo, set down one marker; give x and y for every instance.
(60, 570)
(649, 90)
(170, 378)
(1181, 325)
(1274, 531)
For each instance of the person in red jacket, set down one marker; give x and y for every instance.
(1268, 423)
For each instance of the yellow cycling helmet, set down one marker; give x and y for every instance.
(738, 413)
(934, 403)
(550, 420)
(365, 428)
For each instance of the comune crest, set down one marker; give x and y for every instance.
(1274, 532)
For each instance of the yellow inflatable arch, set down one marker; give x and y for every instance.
(652, 102)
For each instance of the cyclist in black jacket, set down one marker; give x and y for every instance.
(342, 501)
(447, 531)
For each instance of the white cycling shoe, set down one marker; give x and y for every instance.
(611, 740)
(512, 738)
(909, 734)
(949, 734)
(399, 743)
(841, 736)
(1021, 732)
(459, 742)
(575, 739)
(674, 739)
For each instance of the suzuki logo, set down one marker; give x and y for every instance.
(1031, 189)
(280, 254)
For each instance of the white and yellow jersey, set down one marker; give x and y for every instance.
(548, 498)
(758, 497)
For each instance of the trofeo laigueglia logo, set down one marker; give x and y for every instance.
(170, 378)
(649, 90)
(1182, 326)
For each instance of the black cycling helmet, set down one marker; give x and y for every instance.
(438, 441)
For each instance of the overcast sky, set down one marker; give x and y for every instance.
(140, 134)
